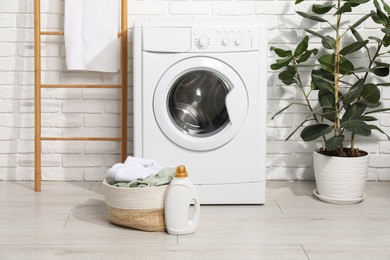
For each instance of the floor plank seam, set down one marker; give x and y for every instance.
(304, 250)
(67, 219)
(279, 207)
(90, 186)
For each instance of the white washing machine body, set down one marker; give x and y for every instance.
(200, 100)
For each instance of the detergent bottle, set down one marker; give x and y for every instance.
(180, 195)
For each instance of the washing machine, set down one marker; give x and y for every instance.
(200, 101)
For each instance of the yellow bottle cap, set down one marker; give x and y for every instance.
(181, 172)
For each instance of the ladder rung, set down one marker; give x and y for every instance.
(81, 139)
(62, 33)
(38, 86)
(52, 33)
(78, 86)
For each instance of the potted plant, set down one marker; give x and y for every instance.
(347, 88)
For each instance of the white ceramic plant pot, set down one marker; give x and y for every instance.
(340, 180)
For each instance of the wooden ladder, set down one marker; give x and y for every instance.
(38, 86)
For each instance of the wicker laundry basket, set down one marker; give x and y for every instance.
(138, 208)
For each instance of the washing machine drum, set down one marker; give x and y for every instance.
(197, 103)
(200, 107)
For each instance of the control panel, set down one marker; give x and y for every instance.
(222, 39)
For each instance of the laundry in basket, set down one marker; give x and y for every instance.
(138, 203)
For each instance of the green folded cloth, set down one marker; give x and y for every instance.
(164, 176)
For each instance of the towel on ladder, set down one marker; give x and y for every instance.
(91, 35)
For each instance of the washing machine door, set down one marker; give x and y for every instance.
(200, 103)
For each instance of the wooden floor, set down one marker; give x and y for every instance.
(68, 220)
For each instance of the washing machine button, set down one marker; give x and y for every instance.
(225, 42)
(202, 42)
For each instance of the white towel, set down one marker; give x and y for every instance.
(132, 169)
(91, 35)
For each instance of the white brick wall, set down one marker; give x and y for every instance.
(90, 112)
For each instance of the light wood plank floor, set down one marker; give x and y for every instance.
(68, 220)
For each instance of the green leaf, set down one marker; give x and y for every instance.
(327, 102)
(311, 17)
(386, 30)
(354, 111)
(329, 43)
(288, 75)
(297, 128)
(376, 4)
(353, 122)
(358, 2)
(322, 79)
(384, 18)
(289, 81)
(305, 56)
(368, 118)
(329, 113)
(327, 39)
(386, 7)
(284, 60)
(357, 126)
(380, 18)
(302, 47)
(374, 127)
(382, 64)
(344, 9)
(303, 65)
(362, 69)
(321, 9)
(298, 1)
(281, 53)
(370, 93)
(353, 92)
(353, 47)
(280, 63)
(375, 18)
(326, 98)
(346, 66)
(377, 111)
(386, 40)
(334, 142)
(277, 66)
(328, 62)
(360, 21)
(371, 105)
(376, 39)
(381, 71)
(312, 132)
(357, 35)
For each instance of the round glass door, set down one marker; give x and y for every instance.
(200, 103)
(197, 105)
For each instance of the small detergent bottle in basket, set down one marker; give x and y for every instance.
(180, 195)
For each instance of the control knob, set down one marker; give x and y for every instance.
(237, 42)
(225, 42)
(202, 42)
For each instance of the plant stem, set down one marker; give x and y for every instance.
(300, 84)
(337, 73)
(373, 59)
(352, 144)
